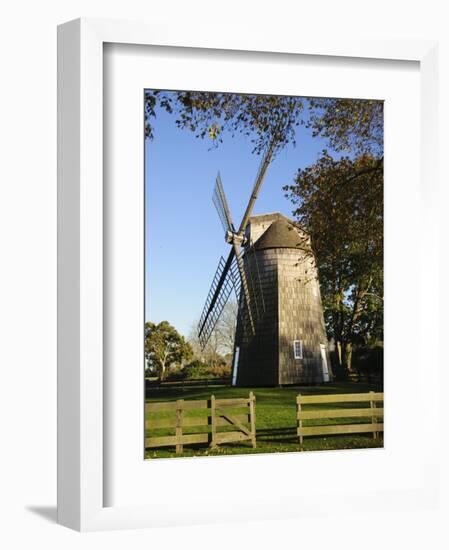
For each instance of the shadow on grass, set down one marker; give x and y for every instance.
(277, 435)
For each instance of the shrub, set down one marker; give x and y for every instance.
(197, 369)
(175, 373)
(221, 371)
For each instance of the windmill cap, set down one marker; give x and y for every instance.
(283, 233)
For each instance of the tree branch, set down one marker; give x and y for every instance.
(365, 171)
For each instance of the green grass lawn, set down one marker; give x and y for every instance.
(275, 420)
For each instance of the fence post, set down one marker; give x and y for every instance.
(298, 419)
(373, 417)
(213, 422)
(252, 417)
(179, 416)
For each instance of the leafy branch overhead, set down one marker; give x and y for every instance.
(347, 124)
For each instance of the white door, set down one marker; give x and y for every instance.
(236, 366)
(324, 363)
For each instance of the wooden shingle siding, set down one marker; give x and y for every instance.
(293, 311)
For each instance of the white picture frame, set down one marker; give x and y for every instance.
(81, 487)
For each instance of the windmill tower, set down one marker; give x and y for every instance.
(280, 335)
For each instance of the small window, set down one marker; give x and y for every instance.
(297, 349)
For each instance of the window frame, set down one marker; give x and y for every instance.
(294, 349)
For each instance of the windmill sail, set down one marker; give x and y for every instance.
(232, 274)
(251, 303)
(225, 280)
(221, 204)
(254, 282)
(258, 183)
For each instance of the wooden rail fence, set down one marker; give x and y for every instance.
(370, 411)
(211, 423)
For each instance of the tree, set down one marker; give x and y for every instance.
(210, 354)
(225, 328)
(346, 124)
(164, 347)
(340, 203)
(221, 341)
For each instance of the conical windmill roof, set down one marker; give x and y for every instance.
(282, 234)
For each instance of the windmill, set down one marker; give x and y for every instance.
(280, 335)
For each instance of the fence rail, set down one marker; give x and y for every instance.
(372, 412)
(213, 415)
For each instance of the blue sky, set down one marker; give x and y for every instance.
(184, 236)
